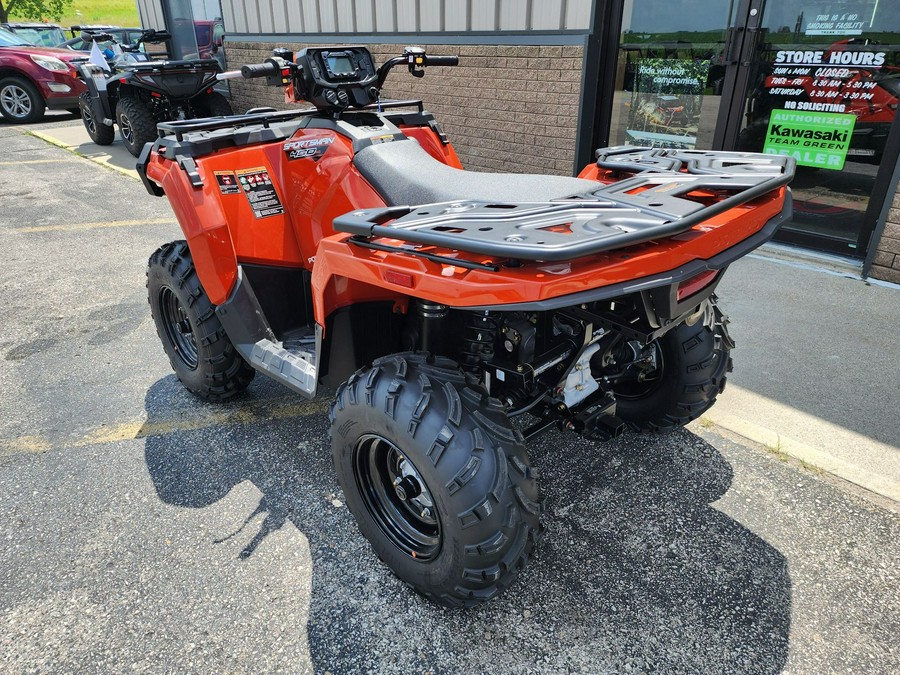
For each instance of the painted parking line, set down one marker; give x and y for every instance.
(103, 159)
(34, 161)
(66, 227)
(135, 430)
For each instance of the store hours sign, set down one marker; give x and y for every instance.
(819, 140)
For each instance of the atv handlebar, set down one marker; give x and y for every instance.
(441, 60)
(259, 69)
(415, 59)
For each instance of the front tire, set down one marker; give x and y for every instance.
(99, 132)
(20, 101)
(438, 481)
(137, 125)
(202, 356)
(692, 363)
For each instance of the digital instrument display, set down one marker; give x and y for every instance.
(341, 65)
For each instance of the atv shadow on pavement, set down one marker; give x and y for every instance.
(637, 570)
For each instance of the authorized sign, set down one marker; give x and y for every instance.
(819, 140)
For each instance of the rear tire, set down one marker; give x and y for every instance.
(202, 356)
(20, 100)
(468, 518)
(213, 105)
(99, 132)
(137, 125)
(692, 365)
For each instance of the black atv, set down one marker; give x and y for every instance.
(138, 93)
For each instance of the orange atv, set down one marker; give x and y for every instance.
(343, 246)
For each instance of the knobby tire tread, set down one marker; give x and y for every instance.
(222, 371)
(700, 357)
(481, 462)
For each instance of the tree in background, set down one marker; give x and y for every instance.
(33, 9)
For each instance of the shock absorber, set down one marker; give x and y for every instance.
(478, 339)
(430, 319)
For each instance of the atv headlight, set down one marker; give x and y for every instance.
(49, 62)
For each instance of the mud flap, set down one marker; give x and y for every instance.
(94, 78)
(248, 329)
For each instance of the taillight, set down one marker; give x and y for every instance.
(399, 278)
(687, 288)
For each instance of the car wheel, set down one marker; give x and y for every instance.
(20, 101)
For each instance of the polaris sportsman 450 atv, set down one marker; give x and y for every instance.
(343, 246)
(139, 93)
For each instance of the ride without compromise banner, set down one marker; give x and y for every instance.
(665, 103)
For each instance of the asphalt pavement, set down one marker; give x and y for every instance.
(147, 530)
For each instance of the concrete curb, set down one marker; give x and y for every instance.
(810, 456)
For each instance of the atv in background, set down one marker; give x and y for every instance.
(343, 245)
(138, 93)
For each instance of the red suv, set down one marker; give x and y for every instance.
(35, 78)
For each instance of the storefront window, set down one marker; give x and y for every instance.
(670, 72)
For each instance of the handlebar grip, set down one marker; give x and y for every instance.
(441, 60)
(259, 70)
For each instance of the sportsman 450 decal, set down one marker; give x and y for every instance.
(311, 148)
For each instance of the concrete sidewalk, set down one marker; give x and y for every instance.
(74, 138)
(816, 370)
(816, 373)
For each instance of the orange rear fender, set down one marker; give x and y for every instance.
(203, 223)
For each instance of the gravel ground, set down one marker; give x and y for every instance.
(146, 530)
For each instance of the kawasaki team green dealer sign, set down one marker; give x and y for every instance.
(812, 138)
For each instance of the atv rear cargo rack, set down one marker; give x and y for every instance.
(670, 192)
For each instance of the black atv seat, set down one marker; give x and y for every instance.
(404, 174)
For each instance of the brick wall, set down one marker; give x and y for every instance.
(506, 108)
(886, 264)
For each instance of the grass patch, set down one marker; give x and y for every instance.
(115, 12)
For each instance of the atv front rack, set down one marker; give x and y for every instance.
(665, 193)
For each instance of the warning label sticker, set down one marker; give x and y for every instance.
(228, 184)
(260, 192)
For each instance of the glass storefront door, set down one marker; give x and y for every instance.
(816, 79)
(824, 84)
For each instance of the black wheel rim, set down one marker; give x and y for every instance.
(397, 497)
(179, 330)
